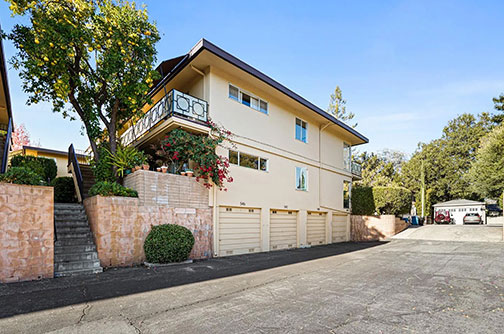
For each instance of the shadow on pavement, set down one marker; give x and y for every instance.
(25, 297)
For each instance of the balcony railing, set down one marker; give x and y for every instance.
(356, 169)
(174, 103)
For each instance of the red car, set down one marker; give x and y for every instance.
(442, 217)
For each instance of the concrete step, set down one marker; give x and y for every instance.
(68, 206)
(69, 211)
(75, 257)
(78, 272)
(74, 242)
(69, 218)
(74, 235)
(72, 229)
(74, 249)
(75, 223)
(76, 265)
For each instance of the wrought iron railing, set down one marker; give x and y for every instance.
(5, 153)
(77, 175)
(174, 103)
(356, 169)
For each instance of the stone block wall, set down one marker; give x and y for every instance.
(121, 224)
(26, 232)
(369, 228)
(170, 190)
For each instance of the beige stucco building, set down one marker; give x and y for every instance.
(290, 162)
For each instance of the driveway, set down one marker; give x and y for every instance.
(477, 233)
(405, 286)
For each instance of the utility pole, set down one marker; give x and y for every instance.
(422, 188)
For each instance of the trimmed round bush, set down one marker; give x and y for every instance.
(168, 243)
(22, 175)
(44, 167)
(64, 190)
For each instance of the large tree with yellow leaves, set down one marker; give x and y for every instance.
(88, 58)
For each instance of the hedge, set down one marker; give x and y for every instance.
(44, 167)
(106, 188)
(381, 200)
(64, 190)
(22, 175)
(168, 243)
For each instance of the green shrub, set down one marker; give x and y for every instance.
(106, 188)
(102, 169)
(362, 201)
(64, 190)
(380, 200)
(22, 175)
(44, 167)
(168, 243)
(392, 200)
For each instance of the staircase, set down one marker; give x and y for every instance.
(74, 249)
(88, 179)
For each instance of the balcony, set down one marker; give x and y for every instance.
(175, 103)
(356, 169)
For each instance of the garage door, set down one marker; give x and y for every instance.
(283, 229)
(316, 228)
(239, 231)
(339, 228)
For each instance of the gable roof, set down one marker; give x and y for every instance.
(170, 68)
(459, 202)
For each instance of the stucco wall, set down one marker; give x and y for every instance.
(169, 190)
(26, 232)
(120, 226)
(368, 228)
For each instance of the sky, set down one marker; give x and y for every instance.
(405, 67)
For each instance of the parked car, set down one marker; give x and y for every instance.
(493, 210)
(443, 217)
(472, 218)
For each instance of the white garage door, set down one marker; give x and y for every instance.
(339, 228)
(239, 231)
(316, 228)
(283, 229)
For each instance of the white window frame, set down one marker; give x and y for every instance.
(252, 96)
(347, 160)
(349, 194)
(295, 125)
(296, 178)
(258, 162)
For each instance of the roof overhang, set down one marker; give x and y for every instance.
(172, 67)
(5, 102)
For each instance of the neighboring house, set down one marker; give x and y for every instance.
(458, 208)
(60, 157)
(6, 122)
(291, 166)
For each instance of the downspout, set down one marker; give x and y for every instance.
(320, 159)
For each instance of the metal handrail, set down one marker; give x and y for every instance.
(5, 156)
(72, 159)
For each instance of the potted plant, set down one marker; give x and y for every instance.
(164, 169)
(189, 172)
(124, 160)
(158, 169)
(183, 173)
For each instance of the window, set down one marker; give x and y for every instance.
(301, 178)
(234, 92)
(346, 194)
(301, 130)
(247, 160)
(347, 156)
(247, 99)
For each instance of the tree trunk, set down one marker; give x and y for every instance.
(112, 130)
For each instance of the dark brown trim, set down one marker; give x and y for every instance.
(203, 44)
(50, 151)
(3, 73)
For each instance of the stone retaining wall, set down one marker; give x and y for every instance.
(369, 228)
(26, 232)
(121, 224)
(169, 190)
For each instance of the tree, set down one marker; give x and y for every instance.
(20, 137)
(92, 58)
(447, 160)
(380, 169)
(487, 171)
(337, 107)
(499, 105)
